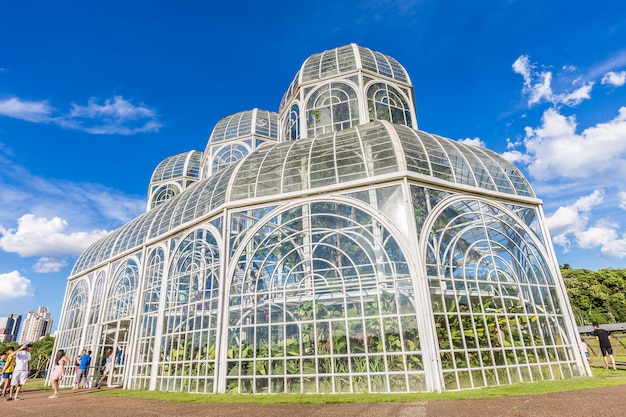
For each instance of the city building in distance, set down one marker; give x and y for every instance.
(10, 328)
(331, 247)
(36, 325)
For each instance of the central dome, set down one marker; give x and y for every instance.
(345, 59)
(345, 87)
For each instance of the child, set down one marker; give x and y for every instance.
(584, 350)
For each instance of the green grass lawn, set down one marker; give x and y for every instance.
(601, 378)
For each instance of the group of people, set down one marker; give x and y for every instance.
(82, 363)
(15, 371)
(604, 342)
(15, 368)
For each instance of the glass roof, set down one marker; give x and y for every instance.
(345, 59)
(250, 122)
(182, 165)
(357, 154)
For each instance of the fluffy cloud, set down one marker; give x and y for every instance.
(573, 219)
(45, 265)
(616, 79)
(114, 116)
(40, 236)
(31, 111)
(538, 85)
(473, 141)
(14, 286)
(569, 226)
(42, 233)
(555, 150)
(86, 204)
(622, 200)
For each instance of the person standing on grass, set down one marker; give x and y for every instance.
(108, 368)
(3, 361)
(605, 345)
(21, 371)
(584, 350)
(83, 369)
(58, 371)
(7, 371)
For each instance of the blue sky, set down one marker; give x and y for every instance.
(94, 96)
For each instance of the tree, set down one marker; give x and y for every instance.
(596, 296)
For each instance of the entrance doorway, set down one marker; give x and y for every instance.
(115, 336)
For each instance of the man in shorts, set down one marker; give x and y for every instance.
(605, 345)
(7, 370)
(83, 369)
(21, 370)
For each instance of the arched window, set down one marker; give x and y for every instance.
(338, 293)
(190, 315)
(154, 277)
(195, 270)
(292, 125)
(98, 290)
(384, 102)
(70, 336)
(494, 300)
(330, 108)
(227, 155)
(123, 292)
(75, 312)
(163, 194)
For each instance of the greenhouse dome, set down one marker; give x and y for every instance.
(237, 135)
(349, 254)
(172, 176)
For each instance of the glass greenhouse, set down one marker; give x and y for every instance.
(331, 247)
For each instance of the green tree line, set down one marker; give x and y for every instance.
(596, 296)
(40, 355)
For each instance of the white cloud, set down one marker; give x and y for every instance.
(40, 236)
(538, 85)
(598, 235)
(515, 156)
(522, 66)
(615, 248)
(555, 150)
(45, 265)
(13, 285)
(114, 116)
(569, 226)
(616, 79)
(86, 204)
(622, 200)
(43, 233)
(31, 111)
(473, 141)
(577, 96)
(573, 219)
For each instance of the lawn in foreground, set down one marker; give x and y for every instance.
(601, 378)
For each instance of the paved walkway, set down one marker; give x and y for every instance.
(605, 402)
